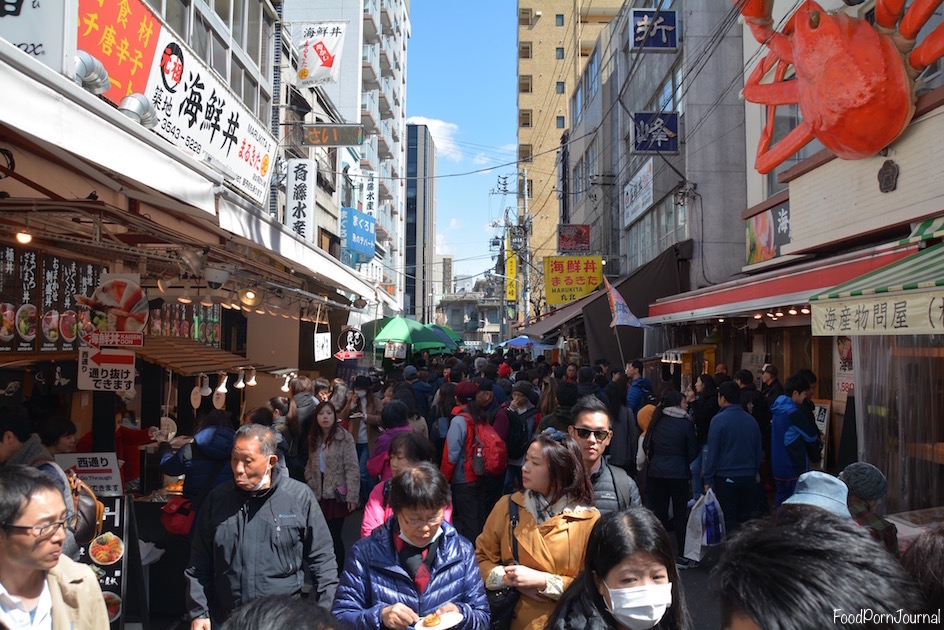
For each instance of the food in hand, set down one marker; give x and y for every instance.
(432, 619)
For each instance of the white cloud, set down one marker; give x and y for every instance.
(442, 249)
(453, 224)
(443, 135)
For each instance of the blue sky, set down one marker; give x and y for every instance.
(461, 74)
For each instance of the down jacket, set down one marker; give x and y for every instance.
(373, 579)
(209, 451)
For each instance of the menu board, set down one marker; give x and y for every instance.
(191, 321)
(7, 299)
(68, 316)
(27, 317)
(50, 305)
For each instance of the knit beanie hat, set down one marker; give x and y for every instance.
(523, 387)
(865, 481)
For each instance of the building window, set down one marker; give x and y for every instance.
(559, 89)
(559, 19)
(524, 152)
(560, 122)
(524, 50)
(524, 17)
(521, 184)
(524, 83)
(524, 118)
(559, 52)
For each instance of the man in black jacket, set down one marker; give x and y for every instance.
(591, 426)
(255, 536)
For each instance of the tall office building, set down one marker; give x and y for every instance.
(372, 91)
(555, 42)
(421, 284)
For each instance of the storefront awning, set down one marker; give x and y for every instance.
(558, 318)
(925, 231)
(262, 231)
(905, 297)
(189, 358)
(776, 288)
(53, 111)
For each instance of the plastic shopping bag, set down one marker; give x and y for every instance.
(705, 526)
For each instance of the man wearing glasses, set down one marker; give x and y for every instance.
(590, 426)
(40, 587)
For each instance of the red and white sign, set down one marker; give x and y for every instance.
(344, 355)
(106, 370)
(319, 44)
(114, 338)
(99, 470)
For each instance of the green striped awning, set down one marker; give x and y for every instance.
(925, 231)
(921, 271)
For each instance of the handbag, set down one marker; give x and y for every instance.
(90, 511)
(502, 602)
(178, 514)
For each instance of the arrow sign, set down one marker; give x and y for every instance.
(112, 358)
(344, 355)
(327, 59)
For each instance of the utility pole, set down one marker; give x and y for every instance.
(526, 241)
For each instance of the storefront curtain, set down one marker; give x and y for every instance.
(900, 415)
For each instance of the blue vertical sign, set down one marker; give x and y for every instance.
(655, 132)
(654, 30)
(358, 236)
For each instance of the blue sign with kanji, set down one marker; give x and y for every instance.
(358, 233)
(655, 132)
(654, 30)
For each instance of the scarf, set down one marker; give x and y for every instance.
(539, 507)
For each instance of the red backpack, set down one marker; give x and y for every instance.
(489, 453)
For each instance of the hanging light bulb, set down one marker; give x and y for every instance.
(757, 315)
(185, 298)
(779, 313)
(223, 378)
(284, 387)
(792, 310)
(205, 385)
(252, 378)
(241, 382)
(805, 310)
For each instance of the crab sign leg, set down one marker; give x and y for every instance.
(917, 16)
(932, 48)
(757, 17)
(887, 13)
(769, 158)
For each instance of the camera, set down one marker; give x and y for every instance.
(215, 277)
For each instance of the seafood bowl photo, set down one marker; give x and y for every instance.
(106, 549)
(112, 605)
(68, 325)
(50, 325)
(117, 305)
(8, 326)
(26, 322)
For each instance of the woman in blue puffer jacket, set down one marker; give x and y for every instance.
(206, 456)
(413, 566)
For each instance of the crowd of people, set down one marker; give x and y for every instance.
(497, 492)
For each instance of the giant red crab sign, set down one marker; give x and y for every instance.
(854, 81)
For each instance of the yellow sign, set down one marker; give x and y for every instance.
(511, 276)
(569, 278)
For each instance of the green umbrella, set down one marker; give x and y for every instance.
(371, 328)
(456, 337)
(409, 331)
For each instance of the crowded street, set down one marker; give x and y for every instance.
(505, 315)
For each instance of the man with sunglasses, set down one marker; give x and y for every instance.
(591, 427)
(40, 587)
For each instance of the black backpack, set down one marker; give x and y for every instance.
(520, 429)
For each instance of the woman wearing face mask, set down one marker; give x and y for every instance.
(361, 416)
(555, 518)
(629, 580)
(416, 566)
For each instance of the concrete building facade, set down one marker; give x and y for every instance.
(421, 286)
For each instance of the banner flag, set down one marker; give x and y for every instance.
(319, 44)
(622, 316)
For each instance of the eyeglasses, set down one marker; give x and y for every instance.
(599, 434)
(49, 529)
(419, 522)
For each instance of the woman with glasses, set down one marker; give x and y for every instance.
(41, 586)
(629, 579)
(416, 566)
(554, 520)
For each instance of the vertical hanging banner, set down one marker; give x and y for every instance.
(300, 198)
(511, 271)
(622, 316)
(358, 234)
(319, 44)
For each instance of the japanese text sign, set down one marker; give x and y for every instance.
(908, 313)
(106, 370)
(99, 470)
(573, 238)
(654, 30)
(568, 278)
(655, 132)
(637, 194)
(511, 273)
(300, 198)
(358, 233)
(767, 232)
(319, 45)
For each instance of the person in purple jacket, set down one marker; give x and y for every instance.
(415, 565)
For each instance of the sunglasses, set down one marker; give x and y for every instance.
(599, 434)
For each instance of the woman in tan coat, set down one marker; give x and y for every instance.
(332, 472)
(361, 417)
(555, 517)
